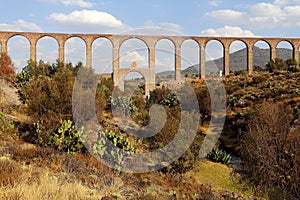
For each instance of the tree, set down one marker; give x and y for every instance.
(292, 65)
(6, 66)
(271, 151)
(291, 62)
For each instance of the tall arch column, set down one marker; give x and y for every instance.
(177, 62)
(202, 61)
(151, 79)
(61, 51)
(250, 59)
(116, 61)
(33, 43)
(273, 51)
(4, 46)
(226, 60)
(88, 54)
(296, 53)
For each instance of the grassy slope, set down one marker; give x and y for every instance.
(30, 172)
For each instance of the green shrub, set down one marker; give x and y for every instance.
(279, 64)
(65, 138)
(158, 95)
(7, 126)
(101, 149)
(219, 156)
(125, 104)
(47, 88)
(171, 100)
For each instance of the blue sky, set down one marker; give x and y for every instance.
(262, 18)
(278, 18)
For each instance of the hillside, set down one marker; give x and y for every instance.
(45, 157)
(238, 61)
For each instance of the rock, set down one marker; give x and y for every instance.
(8, 94)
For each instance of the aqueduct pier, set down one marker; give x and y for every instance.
(150, 42)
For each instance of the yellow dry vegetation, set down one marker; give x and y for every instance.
(219, 176)
(33, 182)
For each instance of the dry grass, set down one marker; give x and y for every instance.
(27, 182)
(219, 176)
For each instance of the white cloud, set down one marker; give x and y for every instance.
(89, 21)
(231, 16)
(93, 17)
(277, 14)
(20, 25)
(286, 2)
(214, 3)
(80, 3)
(133, 56)
(293, 11)
(228, 31)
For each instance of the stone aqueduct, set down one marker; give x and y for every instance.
(150, 42)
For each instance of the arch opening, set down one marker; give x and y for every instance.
(190, 57)
(261, 55)
(102, 56)
(164, 60)
(134, 50)
(134, 82)
(18, 48)
(75, 51)
(214, 53)
(47, 49)
(238, 56)
(284, 50)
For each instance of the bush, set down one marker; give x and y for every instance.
(47, 88)
(6, 67)
(158, 95)
(204, 100)
(47, 91)
(219, 156)
(259, 79)
(65, 138)
(124, 104)
(277, 64)
(271, 150)
(101, 149)
(7, 126)
(171, 100)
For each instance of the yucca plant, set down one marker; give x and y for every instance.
(219, 156)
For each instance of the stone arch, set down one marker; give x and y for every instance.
(163, 38)
(134, 80)
(134, 49)
(214, 39)
(284, 49)
(261, 54)
(19, 51)
(75, 55)
(165, 58)
(102, 55)
(49, 54)
(190, 57)
(19, 34)
(143, 72)
(238, 54)
(214, 58)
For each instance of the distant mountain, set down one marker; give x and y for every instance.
(238, 61)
